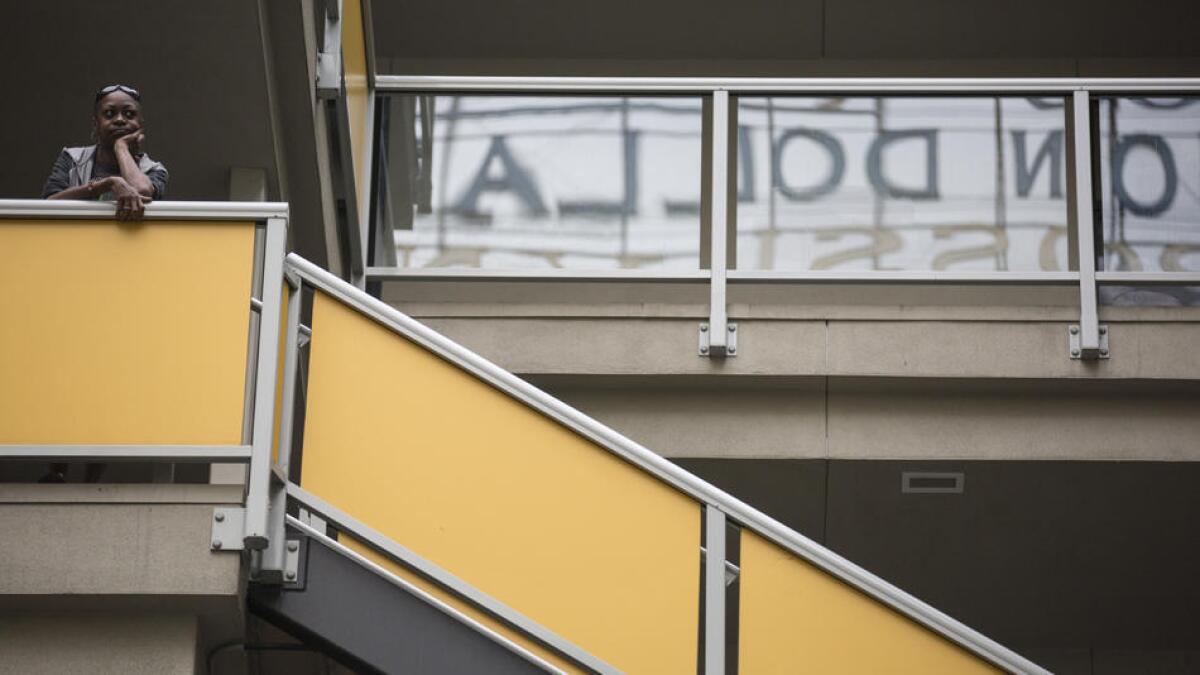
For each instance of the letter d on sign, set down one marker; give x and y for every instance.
(875, 164)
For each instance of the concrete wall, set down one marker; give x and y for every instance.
(114, 578)
(138, 539)
(840, 371)
(102, 644)
(847, 418)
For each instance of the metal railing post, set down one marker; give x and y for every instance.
(1085, 338)
(714, 591)
(715, 339)
(274, 559)
(256, 533)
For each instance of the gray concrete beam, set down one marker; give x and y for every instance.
(1007, 350)
(99, 644)
(112, 549)
(898, 418)
(904, 419)
(636, 347)
(879, 348)
(724, 422)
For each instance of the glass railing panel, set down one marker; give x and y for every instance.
(537, 182)
(1149, 192)
(1150, 183)
(502, 496)
(901, 183)
(794, 617)
(119, 334)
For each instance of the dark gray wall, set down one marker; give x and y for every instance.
(790, 37)
(199, 66)
(1049, 558)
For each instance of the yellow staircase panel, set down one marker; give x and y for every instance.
(500, 495)
(796, 618)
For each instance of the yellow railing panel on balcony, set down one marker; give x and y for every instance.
(797, 618)
(500, 495)
(450, 599)
(122, 334)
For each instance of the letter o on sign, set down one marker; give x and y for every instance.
(1159, 147)
(837, 165)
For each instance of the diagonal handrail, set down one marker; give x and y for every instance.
(646, 460)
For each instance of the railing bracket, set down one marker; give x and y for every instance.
(329, 59)
(1076, 344)
(291, 565)
(732, 571)
(313, 520)
(228, 528)
(730, 348)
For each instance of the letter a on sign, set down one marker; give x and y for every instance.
(513, 178)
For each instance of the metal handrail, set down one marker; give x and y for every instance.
(129, 453)
(166, 210)
(753, 85)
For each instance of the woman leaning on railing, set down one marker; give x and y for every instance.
(115, 167)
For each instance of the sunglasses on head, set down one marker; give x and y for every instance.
(118, 87)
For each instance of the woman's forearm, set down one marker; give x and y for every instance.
(85, 191)
(130, 171)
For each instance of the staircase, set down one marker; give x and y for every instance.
(412, 507)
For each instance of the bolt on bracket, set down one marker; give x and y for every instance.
(228, 528)
(1076, 346)
(730, 341)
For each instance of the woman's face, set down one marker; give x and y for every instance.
(117, 114)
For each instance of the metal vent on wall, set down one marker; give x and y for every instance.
(932, 482)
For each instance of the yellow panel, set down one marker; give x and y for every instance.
(354, 64)
(796, 618)
(464, 607)
(513, 503)
(114, 334)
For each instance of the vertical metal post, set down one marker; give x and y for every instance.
(766, 255)
(259, 480)
(443, 205)
(628, 181)
(274, 558)
(362, 178)
(1001, 200)
(1085, 338)
(877, 210)
(235, 474)
(714, 337)
(714, 591)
